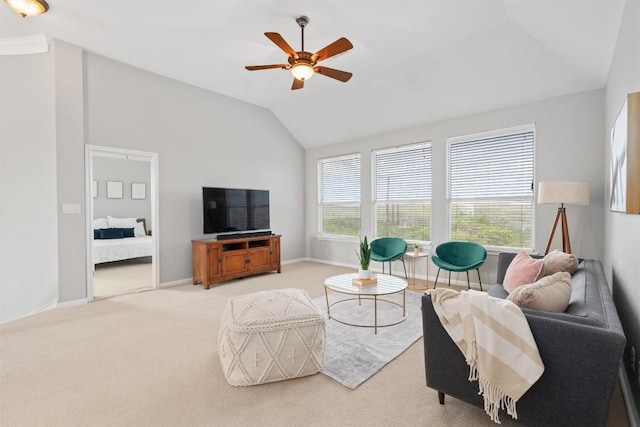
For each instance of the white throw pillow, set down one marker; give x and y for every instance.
(99, 223)
(139, 230)
(121, 222)
(551, 293)
(557, 261)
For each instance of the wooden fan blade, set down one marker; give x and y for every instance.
(343, 76)
(297, 84)
(337, 47)
(266, 67)
(282, 44)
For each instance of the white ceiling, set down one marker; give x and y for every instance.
(413, 61)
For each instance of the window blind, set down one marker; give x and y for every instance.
(339, 203)
(402, 192)
(490, 188)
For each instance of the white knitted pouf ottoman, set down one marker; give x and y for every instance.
(271, 336)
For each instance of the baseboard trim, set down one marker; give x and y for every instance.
(48, 306)
(176, 283)
(73, 303)
(339, 264)
(632, 409)
(293, 261)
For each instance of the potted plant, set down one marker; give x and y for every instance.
(365, 258)
(416, 249)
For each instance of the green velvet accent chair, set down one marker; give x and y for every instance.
(388, 249)
(458, 257)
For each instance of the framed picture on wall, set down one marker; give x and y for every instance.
(138, 190)
(618, 167)
(625, 158)
(114, 189)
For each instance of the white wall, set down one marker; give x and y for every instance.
(28, 214)
(202, 139)
(622, 232)
(125, 171)
(54, 104)
(568, 147)
(70, 179)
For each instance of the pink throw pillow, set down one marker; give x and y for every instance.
(523, 270)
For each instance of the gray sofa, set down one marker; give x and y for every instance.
(580, 348)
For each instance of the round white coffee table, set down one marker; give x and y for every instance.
(386, 285)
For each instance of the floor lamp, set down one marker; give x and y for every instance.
(562, 193)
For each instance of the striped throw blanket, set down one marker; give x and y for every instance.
(496, 341)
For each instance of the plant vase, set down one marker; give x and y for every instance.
(416, 251)
(364, 274)
(364, 256)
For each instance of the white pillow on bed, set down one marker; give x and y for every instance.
(121, 222)
(99, 223)
(139, 231)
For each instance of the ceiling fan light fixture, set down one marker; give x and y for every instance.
(302, 71)
(302, 64)
(27, 8)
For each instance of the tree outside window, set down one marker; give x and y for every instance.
(402, 192)
(339, 201)
(490, 188)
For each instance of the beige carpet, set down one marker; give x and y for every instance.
(116, 278)
(150, 359)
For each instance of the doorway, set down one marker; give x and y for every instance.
(122, 221)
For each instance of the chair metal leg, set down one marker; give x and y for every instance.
(390, 273)
(449, 278)
(436, 282)
(479, 279)
(468, 283)
(405, 269)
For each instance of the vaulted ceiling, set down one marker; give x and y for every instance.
(413, 61)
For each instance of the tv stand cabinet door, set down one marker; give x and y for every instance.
(234, 263)
(260, 259)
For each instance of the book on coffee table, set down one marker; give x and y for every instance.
(363, 283)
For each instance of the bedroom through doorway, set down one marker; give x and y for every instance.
(122, 218)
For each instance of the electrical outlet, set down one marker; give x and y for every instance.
(633, 358)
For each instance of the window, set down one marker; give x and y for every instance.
(402, 192)
(339, 204)
(490, 188)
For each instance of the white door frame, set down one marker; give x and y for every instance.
(91, 151)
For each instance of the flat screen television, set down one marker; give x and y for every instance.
(233, 210)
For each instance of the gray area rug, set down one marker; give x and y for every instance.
(353, 355)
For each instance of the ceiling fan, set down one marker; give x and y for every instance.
(302, 63)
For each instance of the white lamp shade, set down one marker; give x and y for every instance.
(568, 193)
(302, 71)
(28, 7)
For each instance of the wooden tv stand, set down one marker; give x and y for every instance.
(216, 261)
